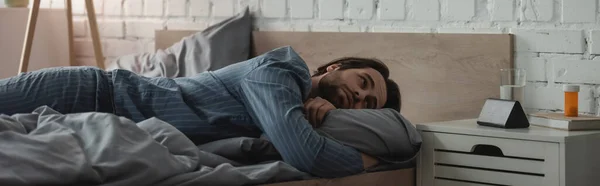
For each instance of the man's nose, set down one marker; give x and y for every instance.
(359, 95)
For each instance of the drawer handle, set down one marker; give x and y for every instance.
(487, 150)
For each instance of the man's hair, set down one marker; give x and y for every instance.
(394, 99)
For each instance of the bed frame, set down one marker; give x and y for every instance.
(441, 76)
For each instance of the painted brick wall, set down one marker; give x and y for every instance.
(557, 41)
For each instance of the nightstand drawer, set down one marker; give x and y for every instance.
(483, 177)
(489, 162)
(491, 145)
(482, 160)
(456, 183)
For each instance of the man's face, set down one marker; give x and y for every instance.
(355, 88)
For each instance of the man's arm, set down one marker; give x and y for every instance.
(274, 99)
(315, 110)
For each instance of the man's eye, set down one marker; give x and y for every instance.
(364, 82)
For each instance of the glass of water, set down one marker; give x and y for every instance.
(512, 84)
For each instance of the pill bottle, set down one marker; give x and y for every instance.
(571, 100)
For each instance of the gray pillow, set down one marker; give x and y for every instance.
(383, 133)
(217, 46)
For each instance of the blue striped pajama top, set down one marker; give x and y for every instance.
(263, 95)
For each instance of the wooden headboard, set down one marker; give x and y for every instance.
(441, 76)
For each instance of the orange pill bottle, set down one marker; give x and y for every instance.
(571, 100)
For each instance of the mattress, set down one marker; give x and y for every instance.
(401, 177)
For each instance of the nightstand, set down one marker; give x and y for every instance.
(464, 153)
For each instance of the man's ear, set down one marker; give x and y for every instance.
(333, 67)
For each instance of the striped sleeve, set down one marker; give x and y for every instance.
(273, 96)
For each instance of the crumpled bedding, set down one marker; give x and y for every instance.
(49, 148)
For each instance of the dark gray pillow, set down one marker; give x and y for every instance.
(383, 133)
(217, 46)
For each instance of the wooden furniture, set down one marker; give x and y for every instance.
(461, 152)
(31, 23)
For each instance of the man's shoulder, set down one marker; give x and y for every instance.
(284, 58)
(282, 66)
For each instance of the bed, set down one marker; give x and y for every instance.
(441, 76)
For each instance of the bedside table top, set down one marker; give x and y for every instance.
(470, 127)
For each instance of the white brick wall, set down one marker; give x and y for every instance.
(552, 37)
(424, 10)
(392, 9)
(99, 5)
(152, 7)
(223, 8)
(594, 42)
(331, 9)
(470, 30)
(79, 7)
(352, 28)
(110, 28)
(535, 67)
(301, 8)
(559, 41)
(502, 10)
(537, 10)
(276, 27)
(458, 10)
(176, 8)
(199, 8)
(142, 28)
(574, 11)
(113, 7)
(273, 8)
(576, 71)
(182, 25)
(402, 29)
(360, 9)
(116, 47)
(133, 7)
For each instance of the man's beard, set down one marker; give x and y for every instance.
(329, 91)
